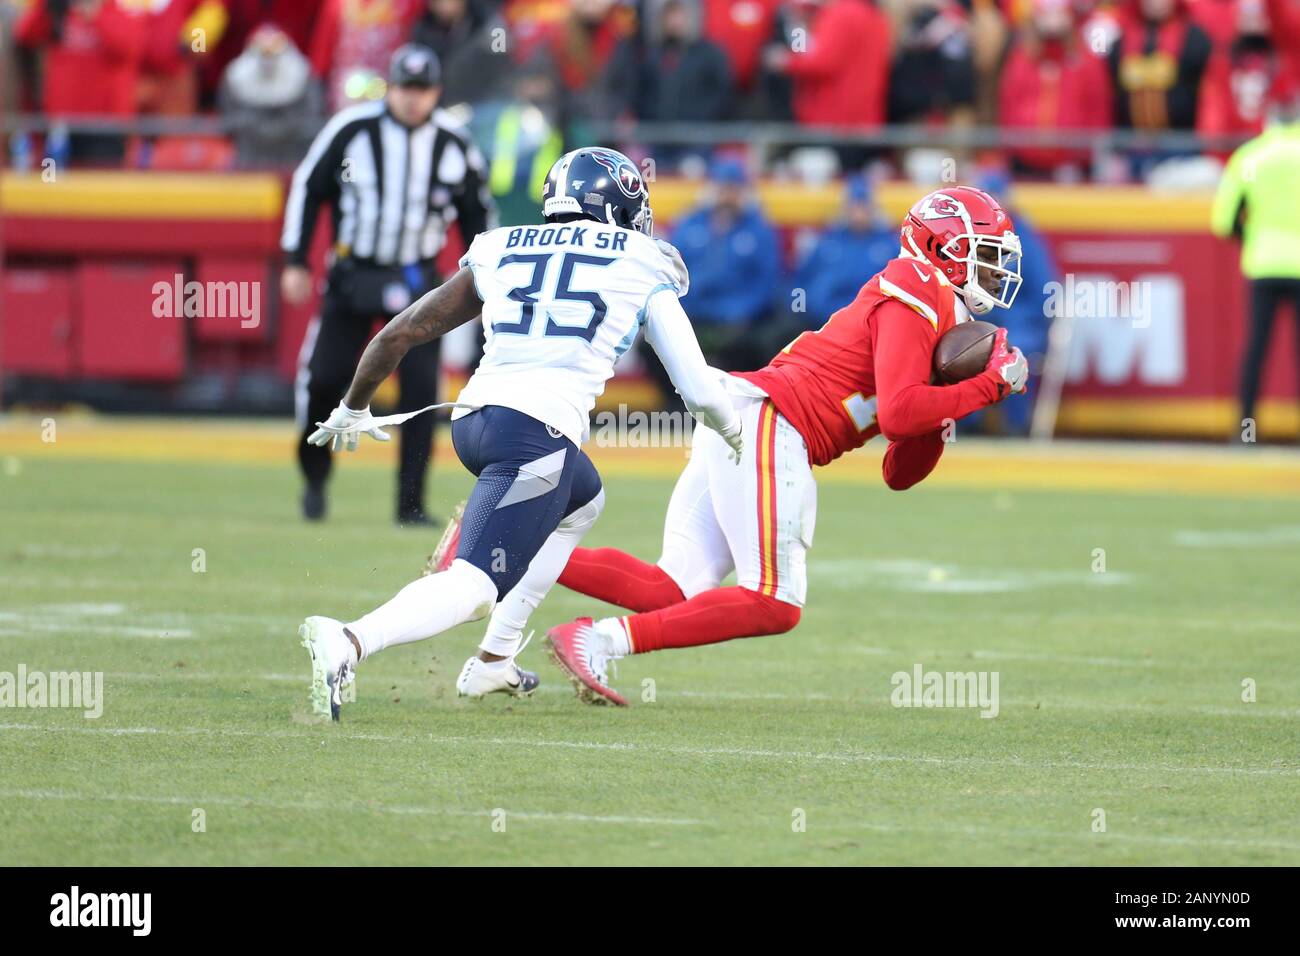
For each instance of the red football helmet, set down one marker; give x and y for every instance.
(966, 234)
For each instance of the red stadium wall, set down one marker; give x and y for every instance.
(83, 255)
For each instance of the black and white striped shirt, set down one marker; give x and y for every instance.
(394, 189)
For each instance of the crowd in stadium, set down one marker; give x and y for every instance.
(1210, 66)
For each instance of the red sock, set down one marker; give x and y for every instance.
(617, 577)
(711, 616)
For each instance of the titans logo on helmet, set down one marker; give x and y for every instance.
(624, 174)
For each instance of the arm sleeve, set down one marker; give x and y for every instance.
(909, 460)
(313, 183)
(907, 404)
(669, 333)
(1228, 199)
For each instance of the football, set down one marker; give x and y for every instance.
(963, 351)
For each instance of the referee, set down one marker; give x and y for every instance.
(396, 174)
(1258, 201)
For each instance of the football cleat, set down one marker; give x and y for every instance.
(332, 666)
(582, 652)
(479, 678)
(445, 553)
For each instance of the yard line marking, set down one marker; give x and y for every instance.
(311, 806)
(1044, 702)
(1100, 838)
(845, 757)
(1238, 538)
(407, 810)
(1065, 659)
(26, 628)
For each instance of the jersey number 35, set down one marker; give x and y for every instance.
(528, 295)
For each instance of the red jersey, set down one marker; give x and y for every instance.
(867, 371)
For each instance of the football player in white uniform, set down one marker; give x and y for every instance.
(560, 302)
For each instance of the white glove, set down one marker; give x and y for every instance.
(1017, 373)
(344, 427)
(733, 435)
(1009, 364)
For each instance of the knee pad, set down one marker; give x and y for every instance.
(581, 519)
(782, 615)
(475, 588)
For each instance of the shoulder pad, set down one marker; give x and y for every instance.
(918, 285)
(674, 268)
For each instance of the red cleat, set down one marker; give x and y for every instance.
(445, 552)
(579, 651)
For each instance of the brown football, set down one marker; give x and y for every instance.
(964, 351)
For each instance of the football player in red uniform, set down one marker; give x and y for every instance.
(867, 371)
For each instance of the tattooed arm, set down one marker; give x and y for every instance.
(447, 307)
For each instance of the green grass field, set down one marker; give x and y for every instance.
(1120, 691)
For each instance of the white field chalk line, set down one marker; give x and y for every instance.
(1065, 659)
(1098, 838)
(310, 806)
(401, 810)
(1050, 703)
(846, 758)
(27, 628)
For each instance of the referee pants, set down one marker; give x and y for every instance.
(1265, 297)
(329, 356)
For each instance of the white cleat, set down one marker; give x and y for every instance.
(333, 664)
(478, 677)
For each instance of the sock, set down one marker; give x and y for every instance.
(720, 614)
(506, 628)
(618, 643)
(425, 607)
(618, 578)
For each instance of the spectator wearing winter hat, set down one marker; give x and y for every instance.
(272, 99)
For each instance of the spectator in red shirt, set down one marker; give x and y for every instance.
(1244, 77)
(180, 35)
(1284, 23)
(742, 28)
(353, 42)
(838, 61)
(1051, 81)
(92, 54)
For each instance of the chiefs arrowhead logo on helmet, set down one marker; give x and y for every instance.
(968, 236)
(939, 206)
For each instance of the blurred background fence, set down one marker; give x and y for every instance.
(780, 161)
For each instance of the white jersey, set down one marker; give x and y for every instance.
(561, 303)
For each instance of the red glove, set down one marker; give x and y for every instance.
(1008, 367)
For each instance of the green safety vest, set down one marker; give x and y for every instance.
(1263, 175)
